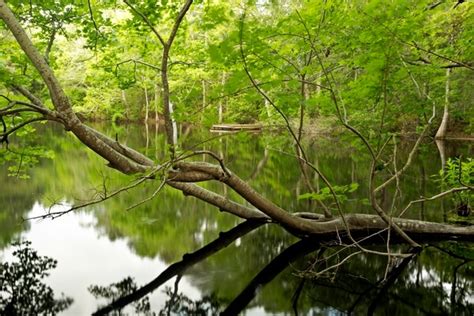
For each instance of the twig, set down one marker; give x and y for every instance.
(30, 96)
(17, 127)
(216, 157)
(437, 196)
(162, 184)
(415, 45)
(337, 265)
(408, 161)
(97, 30)
(146, 20)
(54, 215)
(136, 61)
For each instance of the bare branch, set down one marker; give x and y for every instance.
(407, 163)
(91, 13)
(137, 61)
(387, 219)
(455, 62)
(435, 197)
(16, 111)
(335, 266)
(30, 96)
(50, 44)
(224, 204)
(102, 198)
(150, 197)
(417, 46)
(213, 155)
(178, 21)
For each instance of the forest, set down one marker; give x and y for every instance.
(180, 157)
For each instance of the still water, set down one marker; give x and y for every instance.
(259, 270)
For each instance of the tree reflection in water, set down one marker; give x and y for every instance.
(120, 289)
(180, 304)
(178, 268)
(436, 281)
(430, 282)
(22, 291)
(176, 304)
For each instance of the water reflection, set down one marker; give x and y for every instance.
(179, 268)
(412, 285)
(22, 289)
(102, 245)
(364, 285)
(87, 257)
(439, 280)
(402, 287)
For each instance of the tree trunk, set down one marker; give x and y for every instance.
(147, 104)
(441, 145)
(173, 125)
(203, 98)
(157, 102)
(443, 127)
(125, 104)
(221, 101)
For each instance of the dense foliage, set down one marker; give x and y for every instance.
(386, 61)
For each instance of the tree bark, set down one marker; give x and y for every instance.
(125, 104)
(356, 223)
(221, 101)
(443, 127)
(171, 132)
(157, 102)
(147, 103)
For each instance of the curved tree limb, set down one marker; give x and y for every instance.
(355, 223)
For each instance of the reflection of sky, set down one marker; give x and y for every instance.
(430, 278)
(85, 258)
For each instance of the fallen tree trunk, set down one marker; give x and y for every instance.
(317, 225)
(299, 224)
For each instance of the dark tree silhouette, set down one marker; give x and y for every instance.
(22, 291)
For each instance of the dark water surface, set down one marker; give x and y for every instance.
(105, 243)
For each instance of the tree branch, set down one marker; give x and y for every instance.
(17, 127)
(147, 21)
